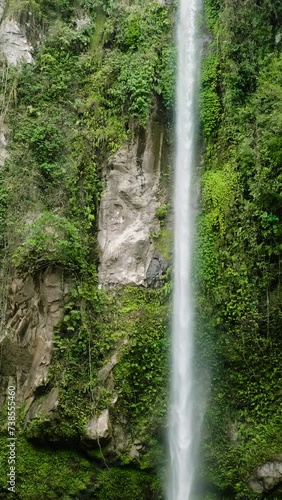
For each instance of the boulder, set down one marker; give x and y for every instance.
(266, 477)
(99, 427)
(156, 270)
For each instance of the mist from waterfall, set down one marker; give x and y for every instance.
(183, 426)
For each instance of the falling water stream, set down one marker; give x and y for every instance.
(182, 425)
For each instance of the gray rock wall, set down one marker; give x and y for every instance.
(127, 217)
(13, 43)
(35, 306)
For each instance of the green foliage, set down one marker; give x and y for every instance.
(75, 106)
(219, 187)
(44, 473)
(149, 66)
(162, 212)
(239, 243)
(133, 87)
(49, 239)
(141, 377)
(140, 63)
(41, 8)
(212, 11)
(210, 106)
(132, 484)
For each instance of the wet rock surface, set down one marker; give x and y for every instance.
(156, 270)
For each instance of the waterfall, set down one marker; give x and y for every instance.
(182, 425)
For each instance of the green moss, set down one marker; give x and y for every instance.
(55, 473)
(45, 473)
(163, 243)
(132, 484)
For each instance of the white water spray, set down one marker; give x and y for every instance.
(182, 428)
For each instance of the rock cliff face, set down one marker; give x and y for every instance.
(35, 306)
(32, 305)
(127, 223)
(13, 43)
(128, 207)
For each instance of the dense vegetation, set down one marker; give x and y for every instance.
(100, 70)
(240, 240)
(92, 86)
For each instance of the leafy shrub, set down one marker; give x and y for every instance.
(49, 239)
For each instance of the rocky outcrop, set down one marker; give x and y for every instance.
(156, 270)
(128, 228)
(45, 407)
(99, 428)
(266, 476)
(135, 449)
(13, 43)
(128, 206)
(35, 306)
